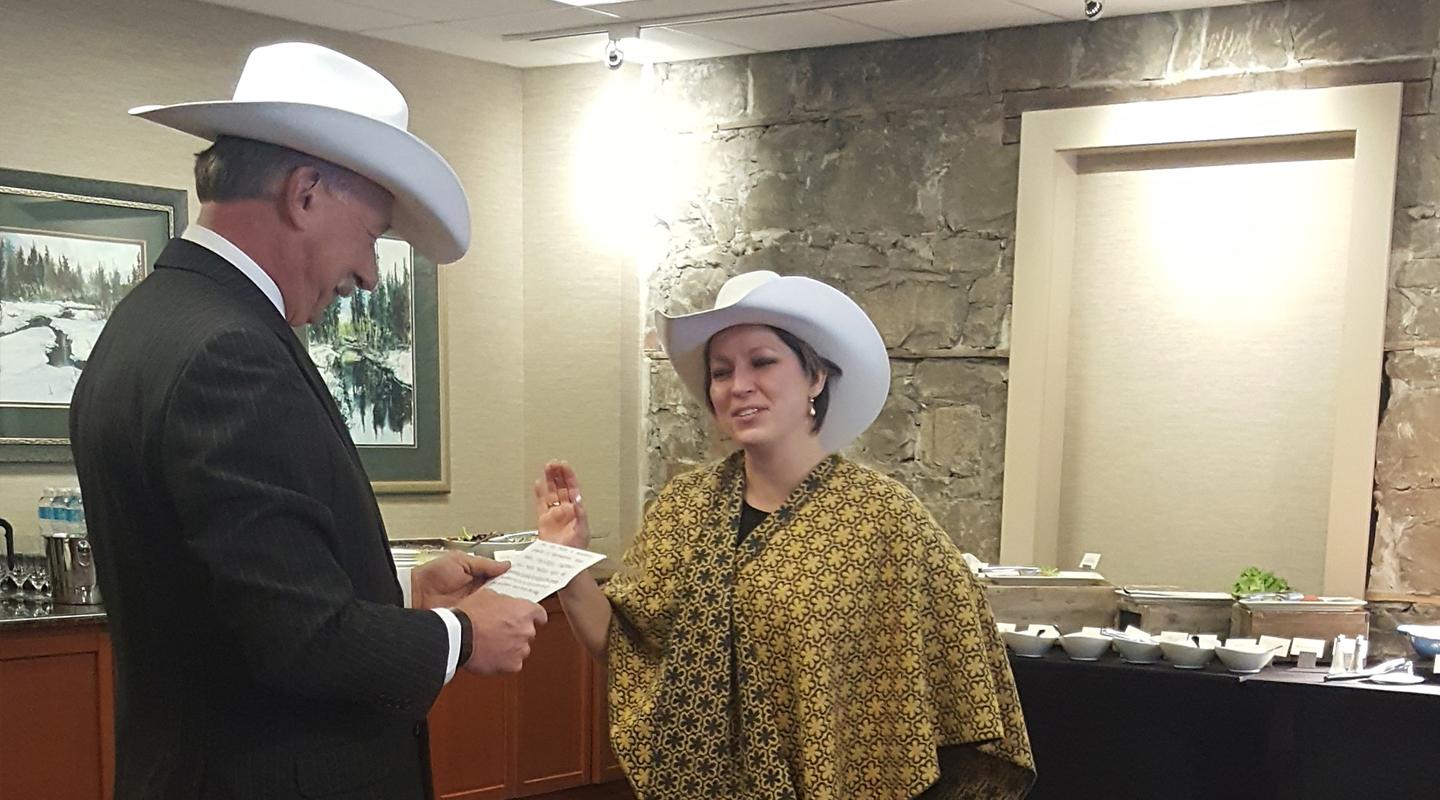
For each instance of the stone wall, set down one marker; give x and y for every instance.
(890, 170)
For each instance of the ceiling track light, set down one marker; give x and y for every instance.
(770, 9)
(614, 56)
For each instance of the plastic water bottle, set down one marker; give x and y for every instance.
(80, 529)
(44, 509)
(70, 512)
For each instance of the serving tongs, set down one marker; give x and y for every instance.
(1393, 665)
(1127, 636)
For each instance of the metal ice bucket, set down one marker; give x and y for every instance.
(72, 569)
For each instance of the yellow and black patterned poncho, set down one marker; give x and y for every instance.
(825, 657)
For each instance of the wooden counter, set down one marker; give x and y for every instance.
(500, 737)
(56, 708)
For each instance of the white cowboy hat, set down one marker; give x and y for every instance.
(818, 314)
(328, 105)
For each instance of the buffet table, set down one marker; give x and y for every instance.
(1116, 730)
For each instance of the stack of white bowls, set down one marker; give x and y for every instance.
(405, 557)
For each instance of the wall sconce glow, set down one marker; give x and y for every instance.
(631, 169)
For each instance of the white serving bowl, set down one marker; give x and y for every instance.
(1138, 652)
(1187, 656)
(1030, 645)
(1084, 646)
(1244, 657)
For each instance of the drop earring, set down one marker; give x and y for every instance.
(812, 406)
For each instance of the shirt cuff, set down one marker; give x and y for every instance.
(452, 627)
(402, 574)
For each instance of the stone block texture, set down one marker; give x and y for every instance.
(889, 170)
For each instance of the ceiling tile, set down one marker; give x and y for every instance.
(557, 17)
(651, 9)
(455, 41)
(682, 44)
(1074, 9)
(331, 14)
(789, 31)
(935, 17)
(581, 48)
(473, 28)
(449, 10)
(655, 45)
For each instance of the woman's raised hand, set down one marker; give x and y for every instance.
(559, 509)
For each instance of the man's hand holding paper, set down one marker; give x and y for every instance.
(542, 569)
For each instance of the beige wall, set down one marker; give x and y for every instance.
(70, 68)
(582, 340)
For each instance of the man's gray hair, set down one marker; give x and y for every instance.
(234, 168)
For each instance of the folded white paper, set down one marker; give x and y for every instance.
(542, 569)
(1276, 643)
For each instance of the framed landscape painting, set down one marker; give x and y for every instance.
(70, 249)
(379, 353)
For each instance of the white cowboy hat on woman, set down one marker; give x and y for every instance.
(822, 316)
(328, 105)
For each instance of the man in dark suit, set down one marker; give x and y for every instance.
(263, 644)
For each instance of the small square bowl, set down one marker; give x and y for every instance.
(1030, 645)
(1187, 656)
(1138, 652)
(1244, 657)
(1084, 646)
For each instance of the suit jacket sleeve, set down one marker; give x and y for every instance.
(253, 478)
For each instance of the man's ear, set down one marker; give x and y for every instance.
(298, 194)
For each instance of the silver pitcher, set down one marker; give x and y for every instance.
(72, 569)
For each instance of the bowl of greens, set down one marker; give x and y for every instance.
(1254, 580)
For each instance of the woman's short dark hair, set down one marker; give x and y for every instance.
(235, 168)
(812, 362)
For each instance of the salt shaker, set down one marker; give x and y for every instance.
(1340, 655)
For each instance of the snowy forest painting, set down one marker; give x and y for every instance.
(71, 249)
(56, 292)
(364, 347)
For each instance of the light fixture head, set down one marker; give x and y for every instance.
(614, 56)
(1094, 9)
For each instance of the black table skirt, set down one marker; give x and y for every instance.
(1113, 730)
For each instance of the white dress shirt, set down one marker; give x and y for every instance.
(220, 246)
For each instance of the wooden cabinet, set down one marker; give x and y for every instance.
(56, 712)
(541, 731)
(603, 765)
(537, 732)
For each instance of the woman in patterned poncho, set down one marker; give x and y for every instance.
(789, 624)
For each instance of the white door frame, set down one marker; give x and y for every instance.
(1051, 142)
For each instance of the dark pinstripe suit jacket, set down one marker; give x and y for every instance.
(261, 647)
